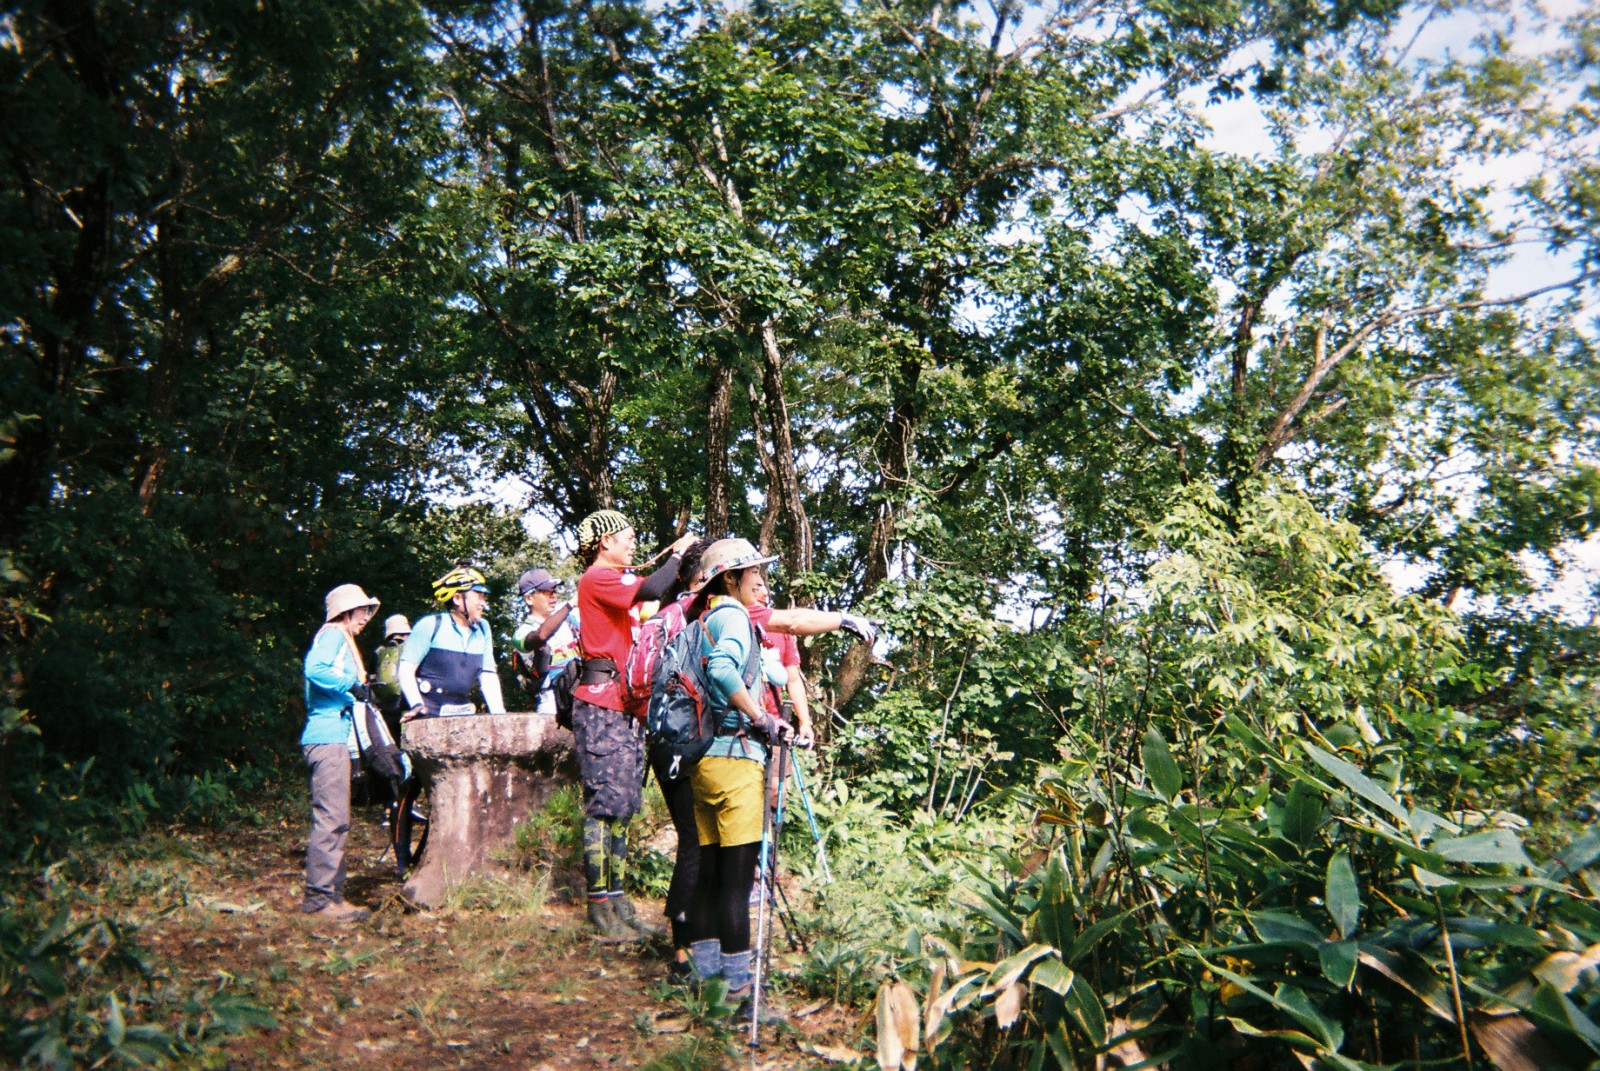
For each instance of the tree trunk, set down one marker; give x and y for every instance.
(788, 473)
(719, 417)
(895, 466)
(484, 775)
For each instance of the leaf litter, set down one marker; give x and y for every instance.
(463, 988)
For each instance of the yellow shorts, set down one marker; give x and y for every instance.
(727, 800)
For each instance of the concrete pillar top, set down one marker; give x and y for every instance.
(483, 736)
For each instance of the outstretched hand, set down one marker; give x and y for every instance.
(862, 628)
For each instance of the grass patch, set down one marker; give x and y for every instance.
(512, 894)
(692, 1054)
(551, 838)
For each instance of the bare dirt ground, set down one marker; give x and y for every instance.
(507, 979)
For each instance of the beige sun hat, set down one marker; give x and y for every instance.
(347, 597)
(726, 555)
(396, 625)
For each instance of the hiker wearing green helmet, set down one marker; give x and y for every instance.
(609, 736)
(335, 676)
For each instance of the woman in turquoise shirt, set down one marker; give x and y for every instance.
(335, 682)
(728, 780)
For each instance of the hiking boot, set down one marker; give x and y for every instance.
(339, 911)
(623, 907)
(611, 930)
(741, 1000)
(680, 974)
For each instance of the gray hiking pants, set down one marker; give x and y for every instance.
(330, 824)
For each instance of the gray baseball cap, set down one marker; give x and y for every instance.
(536, 580)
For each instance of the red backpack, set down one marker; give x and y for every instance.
(645, 655)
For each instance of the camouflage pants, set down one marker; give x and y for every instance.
(610, 748)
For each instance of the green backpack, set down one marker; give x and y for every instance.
(386, 682)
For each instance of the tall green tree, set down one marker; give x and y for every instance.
(211, 343)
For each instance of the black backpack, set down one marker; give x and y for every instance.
(379, 753)
(562, 688)
(681, 721)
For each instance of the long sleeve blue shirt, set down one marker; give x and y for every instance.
(331, 672)
(730, 637)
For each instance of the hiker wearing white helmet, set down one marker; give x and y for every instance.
(775, 625)
(386, 692)
(609, 737)
(728, 780)
(334, 675)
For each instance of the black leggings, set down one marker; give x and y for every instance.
(721, 906)
(679, 795)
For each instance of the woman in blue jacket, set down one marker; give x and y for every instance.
(335, 682)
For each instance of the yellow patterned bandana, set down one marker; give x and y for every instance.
(598, 525)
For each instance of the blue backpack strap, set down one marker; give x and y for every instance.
(434, 634)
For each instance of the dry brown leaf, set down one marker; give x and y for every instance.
(675, 1025)
(834, 1054)
(1008, 1006)
(891, 1049)
(1514, 1043)
(1561, 969)
(936, 981)
(907, 1018)
(937, 1009)
(811, 1009)
(936, 1003)
(1126, 1053)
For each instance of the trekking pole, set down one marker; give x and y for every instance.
(811, 817)
(791, 924)
(769, 824)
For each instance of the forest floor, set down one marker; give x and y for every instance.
(505, 976)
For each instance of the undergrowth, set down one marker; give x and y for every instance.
(551, 840)
(886, 874)
(77, 990)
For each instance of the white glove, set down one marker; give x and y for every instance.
(862, 628)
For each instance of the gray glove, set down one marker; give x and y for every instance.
(863, 629)
(780, 733)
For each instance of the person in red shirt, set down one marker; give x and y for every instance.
(607, 734)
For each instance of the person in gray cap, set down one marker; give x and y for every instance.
(546, 639)
(335, 683)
